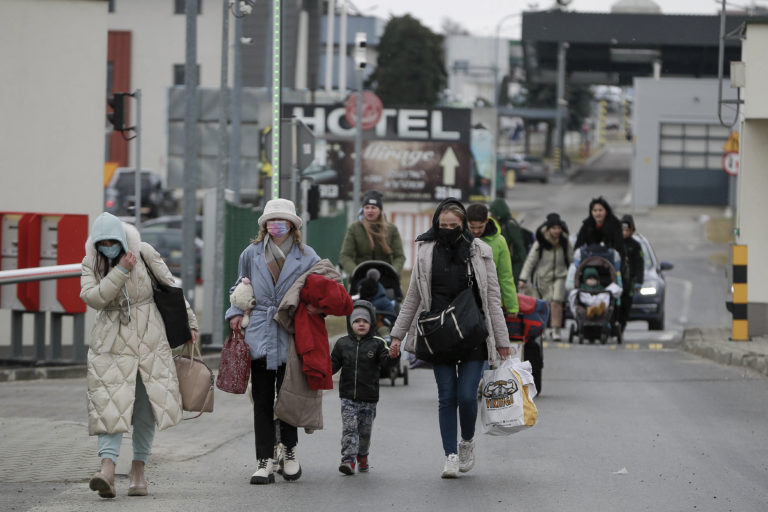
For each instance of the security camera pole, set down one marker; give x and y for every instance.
(360, 62)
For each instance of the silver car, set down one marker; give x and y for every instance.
(526, 167)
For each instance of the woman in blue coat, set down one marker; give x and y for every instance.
(273, 262)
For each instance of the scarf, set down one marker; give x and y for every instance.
(275, 255)
(377, 232)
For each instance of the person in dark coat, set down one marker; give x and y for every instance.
(635, 268)
(512, 233)
(601, 226)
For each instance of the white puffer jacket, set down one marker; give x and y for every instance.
(127, 338)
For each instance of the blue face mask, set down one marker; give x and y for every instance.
(277, 228)
(111, 251)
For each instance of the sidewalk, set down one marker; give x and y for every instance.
(715, 344)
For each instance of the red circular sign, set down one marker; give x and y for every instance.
(372, 108)
(731, 163)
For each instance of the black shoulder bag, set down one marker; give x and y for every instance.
(449, 335)
(173, 308)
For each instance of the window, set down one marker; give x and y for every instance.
(111, 7)
(180, 6)
(178, 74)
(692, 146)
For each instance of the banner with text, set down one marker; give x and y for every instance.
(411, 154)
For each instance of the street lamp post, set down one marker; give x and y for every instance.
(496, 85)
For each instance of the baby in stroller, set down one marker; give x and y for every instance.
(593, 295)
(373, 291)
(595, 286)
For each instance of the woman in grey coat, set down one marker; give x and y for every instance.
(439, 275)
(273, 263)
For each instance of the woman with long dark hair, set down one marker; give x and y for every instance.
(601, 226)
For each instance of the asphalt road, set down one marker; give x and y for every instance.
(642, 426)
(619, 429)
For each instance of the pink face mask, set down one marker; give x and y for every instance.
(277, 228)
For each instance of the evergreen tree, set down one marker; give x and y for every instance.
(410, 69)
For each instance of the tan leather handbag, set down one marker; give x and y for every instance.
(195, 381)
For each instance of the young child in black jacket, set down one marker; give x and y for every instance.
(360, 356)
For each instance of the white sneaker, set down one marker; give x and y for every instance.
(291, 466)
(466, 455)
(451, 467)
(264, 474)
(556, 334)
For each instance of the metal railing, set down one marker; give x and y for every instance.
(23, 275)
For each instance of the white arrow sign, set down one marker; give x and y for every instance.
(449, 163)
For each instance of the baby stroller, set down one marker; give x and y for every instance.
(600, 323)
(363, 284)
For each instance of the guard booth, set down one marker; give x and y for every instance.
(30, 240)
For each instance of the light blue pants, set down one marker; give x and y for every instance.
(143, 429)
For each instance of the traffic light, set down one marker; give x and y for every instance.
(361, 58)
(117, 116)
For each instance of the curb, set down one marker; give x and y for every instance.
(726, 352)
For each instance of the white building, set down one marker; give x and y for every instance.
(147, 43)
(753, 178)
(52, 101)
(678, 154)
(474, 64)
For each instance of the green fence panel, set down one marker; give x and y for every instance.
(241, 226)
(326, 234)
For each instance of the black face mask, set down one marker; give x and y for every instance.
(449, 237)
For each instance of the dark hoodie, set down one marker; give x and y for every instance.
(609, 233)
(512, 233)
(360, 360)
(449, 258)
(634, 252)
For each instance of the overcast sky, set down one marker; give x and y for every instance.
(480, 17)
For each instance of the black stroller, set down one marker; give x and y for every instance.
(601, 323)
(393, 295)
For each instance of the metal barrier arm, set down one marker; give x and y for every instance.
(23, 275)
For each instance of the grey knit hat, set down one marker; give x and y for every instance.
(360, 312)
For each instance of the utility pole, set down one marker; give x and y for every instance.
(236, 109)
(360, 62)
(190, 155)
(560, 106)
(221, 183)
(137, 130)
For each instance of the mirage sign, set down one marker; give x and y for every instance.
(410, 154)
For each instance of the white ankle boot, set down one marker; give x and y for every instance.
(264, 473)
(291, 466)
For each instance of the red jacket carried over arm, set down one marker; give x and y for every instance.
(311, 336)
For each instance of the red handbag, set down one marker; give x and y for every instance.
(235, 364)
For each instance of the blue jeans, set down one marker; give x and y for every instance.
(143, 429)
(457, 388)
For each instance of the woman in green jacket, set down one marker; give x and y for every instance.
(372, 238)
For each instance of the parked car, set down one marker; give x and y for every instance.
(648, 301)
(120, 193)
(526, 167)
(168, 242)
(174, 221)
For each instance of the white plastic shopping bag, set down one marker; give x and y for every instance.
(507, 405)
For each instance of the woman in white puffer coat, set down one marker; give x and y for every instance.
(131, 375)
